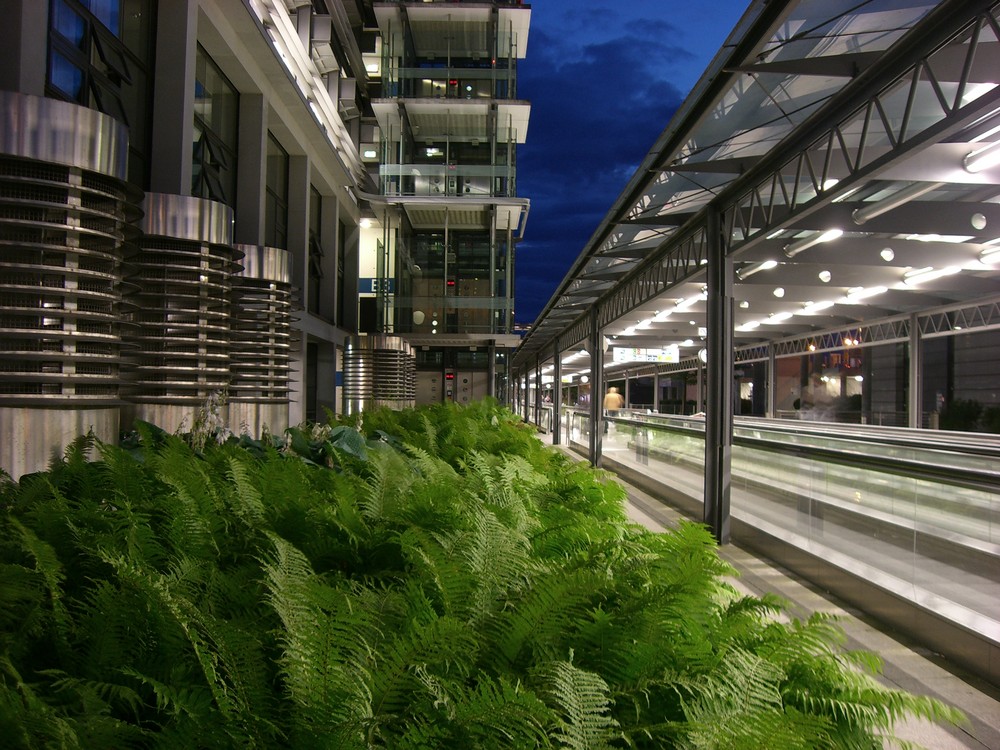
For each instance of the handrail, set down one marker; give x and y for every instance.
(941, 473)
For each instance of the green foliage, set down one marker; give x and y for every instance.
(440, 580)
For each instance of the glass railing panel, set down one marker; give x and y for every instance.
(674, 457)
(897, 514)
(467, 180)
(921, 539)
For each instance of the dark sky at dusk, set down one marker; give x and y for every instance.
(603, 80)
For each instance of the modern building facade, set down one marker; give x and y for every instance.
(195, 209)
(437, 261)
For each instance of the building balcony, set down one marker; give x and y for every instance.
(447, 180)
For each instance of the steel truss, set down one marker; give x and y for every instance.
(780, 190)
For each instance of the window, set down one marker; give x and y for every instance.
(341, 275)
(315, 250)
(100, 55)
(276, 195)
(216, 110)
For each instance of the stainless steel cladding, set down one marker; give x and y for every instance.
(182, 217)
(378, 371)
(58, 132)
(64, 215)
(260, 351)
(180, 281)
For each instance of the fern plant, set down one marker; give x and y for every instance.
(440, 580)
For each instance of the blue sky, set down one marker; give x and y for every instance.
(603, 80)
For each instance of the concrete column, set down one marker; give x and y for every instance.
(719, 409)
(329, 240)
(252, 174)
(24, 39)
(656, 392)
(173, 99)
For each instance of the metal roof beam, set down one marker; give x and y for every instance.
(847, 65)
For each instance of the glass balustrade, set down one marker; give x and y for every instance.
(916, 515)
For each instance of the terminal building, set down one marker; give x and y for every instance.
(250, 213)
(798, 294)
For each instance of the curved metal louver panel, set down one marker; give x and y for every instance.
(181, 280)
(378, 371)
(261, 340)
(63, 230)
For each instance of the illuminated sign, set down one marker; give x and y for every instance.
(623, 354)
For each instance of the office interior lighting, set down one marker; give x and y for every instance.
(794, 248)
(913, 191)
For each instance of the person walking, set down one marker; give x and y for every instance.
(613, 401)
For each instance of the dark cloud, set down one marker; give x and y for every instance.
(596, 108)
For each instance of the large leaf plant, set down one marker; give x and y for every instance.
(433, 578)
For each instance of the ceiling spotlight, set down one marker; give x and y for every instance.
(825, 276)
(861, 293)
(776, 318)
(928, 274)
(744, 304)
(684, 304)
(749, 325)
(978, 221)
(913, 191)
(887, 254)
(814, 307)
(990, 255)
(793, 249)
(747, 271)
(983, 158)
(778, 292)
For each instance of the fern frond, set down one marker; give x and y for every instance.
(441, 645)
(544, 617)
(581, 702)
(496, 713)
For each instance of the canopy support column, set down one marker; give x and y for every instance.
(719, 407)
